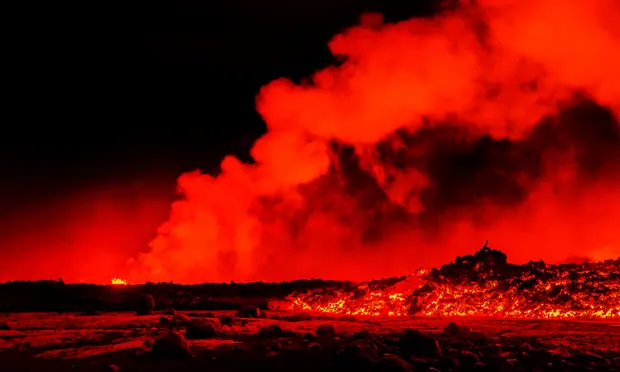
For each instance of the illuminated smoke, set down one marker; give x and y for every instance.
(493, 121)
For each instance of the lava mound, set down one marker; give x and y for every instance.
(484, 284)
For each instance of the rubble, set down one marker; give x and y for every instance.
(483, 284)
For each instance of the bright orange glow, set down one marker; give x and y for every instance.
(85, 237)
(535, 290)
(495, 121)
(118, 281)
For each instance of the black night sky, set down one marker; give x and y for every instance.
(121, 100)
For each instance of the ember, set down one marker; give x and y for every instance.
(485, 284)
(118, 281)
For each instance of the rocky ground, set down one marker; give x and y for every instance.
(285, 341)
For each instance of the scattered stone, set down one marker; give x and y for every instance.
(249, 312)
(505, 354)
(268, 331)
(392, 363)
(181, 320)
(113, 368)
(202, 330)
(164, 320)
(560, 352)
(276, 328)
(288, 333)
(326, 330)
(526, 347)
(227, 320)
(172, 345)
(467, 358)
(456, 330)
(309, 336)
(354, 357)
(422, 362)
(275, 346)
(588, 357)
(169, 311)
(145, 304)
(414, 342)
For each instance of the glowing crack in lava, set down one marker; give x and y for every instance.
(118, 281)
(484, 284)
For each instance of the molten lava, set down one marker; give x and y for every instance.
(118, 281)
(485, 284)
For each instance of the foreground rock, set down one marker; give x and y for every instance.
(203, 329)
(172, 345)
(203, 344)
(145, 303)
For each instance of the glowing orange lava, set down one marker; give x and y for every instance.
(118, 281)
(482, 285)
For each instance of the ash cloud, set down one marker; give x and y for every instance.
(494, 120)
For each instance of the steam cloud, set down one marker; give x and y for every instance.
(496, 120)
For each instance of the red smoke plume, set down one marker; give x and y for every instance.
(496, 120)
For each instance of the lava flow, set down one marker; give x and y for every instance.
(484, 284)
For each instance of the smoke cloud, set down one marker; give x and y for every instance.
(494, 120)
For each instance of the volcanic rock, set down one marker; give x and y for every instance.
(456, 330)
(273, 330)
(354, 357)
(275, 346)
(309, 336)
(288, 333)
(392, 363)
(204, 329)
(560, 353)
(145, 303)
(326, 330)
(467, 358)
(414, 342)
(181, 319)
(172, 345)
(169, 311)
(164, 320)
(227, 320)
(525, 347)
